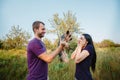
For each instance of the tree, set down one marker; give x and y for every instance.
(16, 38)
(49, 45)
(61, 25)
(107, 43)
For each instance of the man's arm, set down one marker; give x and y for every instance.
(49, 57)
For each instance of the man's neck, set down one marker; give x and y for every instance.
(37, 37)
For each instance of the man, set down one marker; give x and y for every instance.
(37, 57)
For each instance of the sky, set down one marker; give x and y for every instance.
(99, 18)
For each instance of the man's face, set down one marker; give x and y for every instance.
(41, 31)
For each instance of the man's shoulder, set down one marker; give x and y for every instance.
(35, 41)
(32, 42)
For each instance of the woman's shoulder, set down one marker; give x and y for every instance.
(89, 46)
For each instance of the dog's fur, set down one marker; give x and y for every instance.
(63, 55)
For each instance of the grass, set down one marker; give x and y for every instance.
(108, 62)
(13, 66)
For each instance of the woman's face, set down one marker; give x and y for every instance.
(82, 40)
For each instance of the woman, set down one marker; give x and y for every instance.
(85, 57)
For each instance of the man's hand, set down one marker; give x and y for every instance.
(63, 43)
(64, 39)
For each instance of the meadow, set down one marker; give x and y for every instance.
(13, 65)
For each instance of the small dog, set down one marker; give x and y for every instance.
(63, 55)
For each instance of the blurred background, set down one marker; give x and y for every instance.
(99, 18)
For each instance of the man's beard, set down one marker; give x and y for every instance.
(40, 35)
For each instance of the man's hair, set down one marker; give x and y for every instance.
(36, 24)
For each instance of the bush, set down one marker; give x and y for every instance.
(16, 38)
(13, 65)
(106, 43)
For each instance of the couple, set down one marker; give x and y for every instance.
(38, 59)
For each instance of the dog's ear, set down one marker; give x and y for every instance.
(70, 39)
(70, 35)
(67, 32)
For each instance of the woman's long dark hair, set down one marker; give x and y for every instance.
(90, 41)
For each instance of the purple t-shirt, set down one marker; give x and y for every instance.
(83, 68)
(37, 68)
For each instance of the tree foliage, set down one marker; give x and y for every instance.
(106, 43)
(49, 44)
(16, 38)
(61, 25)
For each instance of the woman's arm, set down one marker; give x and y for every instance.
(80, 56)
(74, 53)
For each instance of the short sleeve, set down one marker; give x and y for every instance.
(89, 48)
(38, 48)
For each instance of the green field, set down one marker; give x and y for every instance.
(13, 65)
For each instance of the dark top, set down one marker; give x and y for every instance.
(37, 68)
(83, 68)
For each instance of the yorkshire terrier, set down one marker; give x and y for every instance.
(63, 55)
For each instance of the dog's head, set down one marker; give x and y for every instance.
(68, 36)
(63, 55)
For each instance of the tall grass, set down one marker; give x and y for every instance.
(61, 71)
(13, 66)
(108, 64)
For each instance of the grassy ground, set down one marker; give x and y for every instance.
(13, 66)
